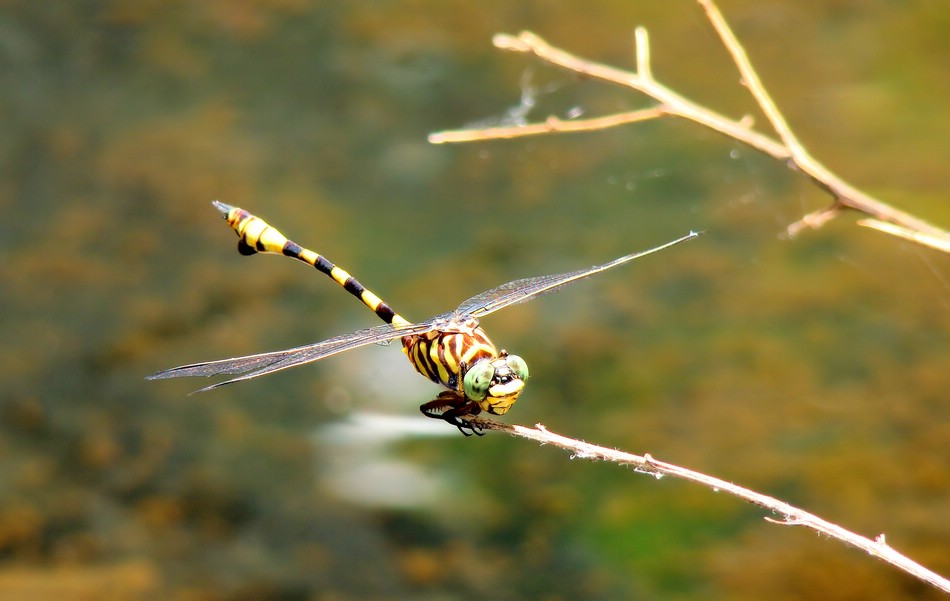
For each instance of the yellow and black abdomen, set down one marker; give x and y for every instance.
(440, 354)
(257, 236)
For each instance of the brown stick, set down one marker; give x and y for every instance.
(551, 125)
(843, 193)
(790, 515)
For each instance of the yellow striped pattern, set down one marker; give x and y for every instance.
(440, 354)
(257, 236)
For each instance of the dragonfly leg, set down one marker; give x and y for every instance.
(453, 408)
(466, 427)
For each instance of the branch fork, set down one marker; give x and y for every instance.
(788, 149)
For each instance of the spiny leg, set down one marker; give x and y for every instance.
(257, 236)
(453, 408)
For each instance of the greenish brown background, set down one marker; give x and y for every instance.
(816, 370)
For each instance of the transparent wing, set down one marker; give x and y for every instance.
(520, 291)
(253, 366)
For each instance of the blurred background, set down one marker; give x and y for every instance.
(814, 370)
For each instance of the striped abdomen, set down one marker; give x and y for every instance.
(258, 236)
(440, 354)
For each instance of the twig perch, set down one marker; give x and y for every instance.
(787, 148)
(790, 515)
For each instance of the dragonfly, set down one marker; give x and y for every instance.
(450, 349)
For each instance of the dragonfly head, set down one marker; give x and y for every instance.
(496, 383)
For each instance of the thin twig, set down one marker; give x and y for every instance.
(642, 39)
(790, 515)
(788, 149)
(813, 220)
(551, 125)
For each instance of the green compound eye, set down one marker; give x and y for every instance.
(517, 365)
(478, 379)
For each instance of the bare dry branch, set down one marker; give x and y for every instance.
(843, 193)
(790, 515)
(674, 104)
(788, 148)
(551, 125)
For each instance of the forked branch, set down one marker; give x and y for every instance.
(789, 515)
(787, 148)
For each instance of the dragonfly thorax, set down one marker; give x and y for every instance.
(441, 353)
(459, 355)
